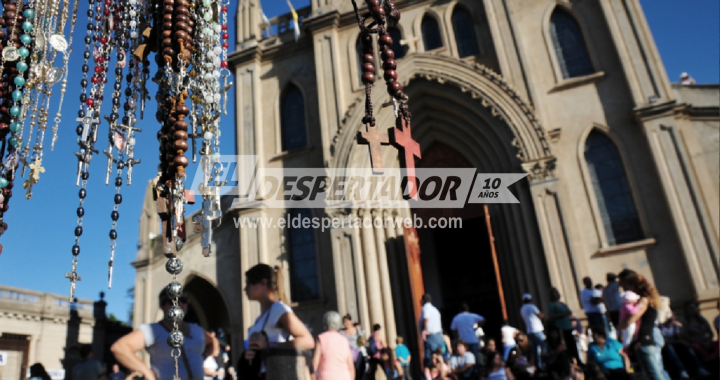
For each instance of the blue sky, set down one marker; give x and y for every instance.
(37, 245)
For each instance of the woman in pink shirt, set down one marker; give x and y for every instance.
(332, 359)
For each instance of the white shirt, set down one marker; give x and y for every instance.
(457, 362)
(464, 324)
(210, 364)
(431, 313)
(586, 295)
(529, 313)
(162, 363)
(268, 322)
(508, 334)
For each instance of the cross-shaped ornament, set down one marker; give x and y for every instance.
(401, 138)
(84, 157)
(111, 160)
(35, 170)
(73, 277)
(87, 122)
(130, 162)
(374, 140)
(204, 222)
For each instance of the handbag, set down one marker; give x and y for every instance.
(283, 363)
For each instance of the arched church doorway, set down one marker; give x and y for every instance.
(457, 263)
(206, 306)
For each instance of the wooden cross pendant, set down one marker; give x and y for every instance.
(374, 140)
(73, 277)
(401, 138)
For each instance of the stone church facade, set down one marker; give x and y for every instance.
(623, 165)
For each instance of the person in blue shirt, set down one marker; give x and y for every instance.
(403, 354)
(609, 355)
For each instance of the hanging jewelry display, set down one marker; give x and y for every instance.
(399, 136)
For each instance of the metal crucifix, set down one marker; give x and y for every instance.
(374, 139)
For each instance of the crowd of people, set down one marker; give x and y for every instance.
(630, 329)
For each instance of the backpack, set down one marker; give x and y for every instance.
(372, 347)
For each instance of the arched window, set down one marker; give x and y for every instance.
(431, 33)
(615, 201)
(397, 47)
(570, 49)
(292, 118)
(304, 282)
(467, 43)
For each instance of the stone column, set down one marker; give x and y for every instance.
(372, 271)
(544, 190)
(390, 331)
(359, 258)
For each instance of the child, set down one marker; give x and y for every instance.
(628, 309)
(403, 354)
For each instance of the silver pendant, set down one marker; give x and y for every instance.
(10, 54)
(58, 42)
(54, 75)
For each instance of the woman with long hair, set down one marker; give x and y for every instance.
(496, 369)
(350, 331)
(437, 369)
(277, 322)
(646, 351)
(332, 359)
(390, 366)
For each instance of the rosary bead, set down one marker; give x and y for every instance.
(390, 64)
(17, 95)
(180, 145)
(387, 54)
(15, 110)
(368, 68)
(29, 13)
(368, 58)
(113, 234)
(114, 215)
(3, 183)
(175, 314)
(85, 175)
(78, 231)
(81, 113)
(80, 212)
(24, 52)
(390, 75)
(90, 102)
(26, 39)
(20, 81)
(75, 250)
(394, 87)
(27, 26)
(368, 78)
(90, 26)
(82, 193)
(372, 3)
(83, 97)
(174, 266)
(385, 40)
(174, 289)
(121, 165)
(181, 161)
(175, 339)
(118, 199)
(90, 13)
(88, 40)
(85, 68)
(14, 127)
(118, 71)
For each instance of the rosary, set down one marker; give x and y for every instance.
(399, 136)
(190, 42)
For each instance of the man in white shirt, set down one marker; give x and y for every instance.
(431, 328)
(591, 300)
(533, 321)
(508, 338)
(463, 327)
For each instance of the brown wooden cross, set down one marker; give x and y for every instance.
(164, 210)
(401, 138)
(374, 140)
